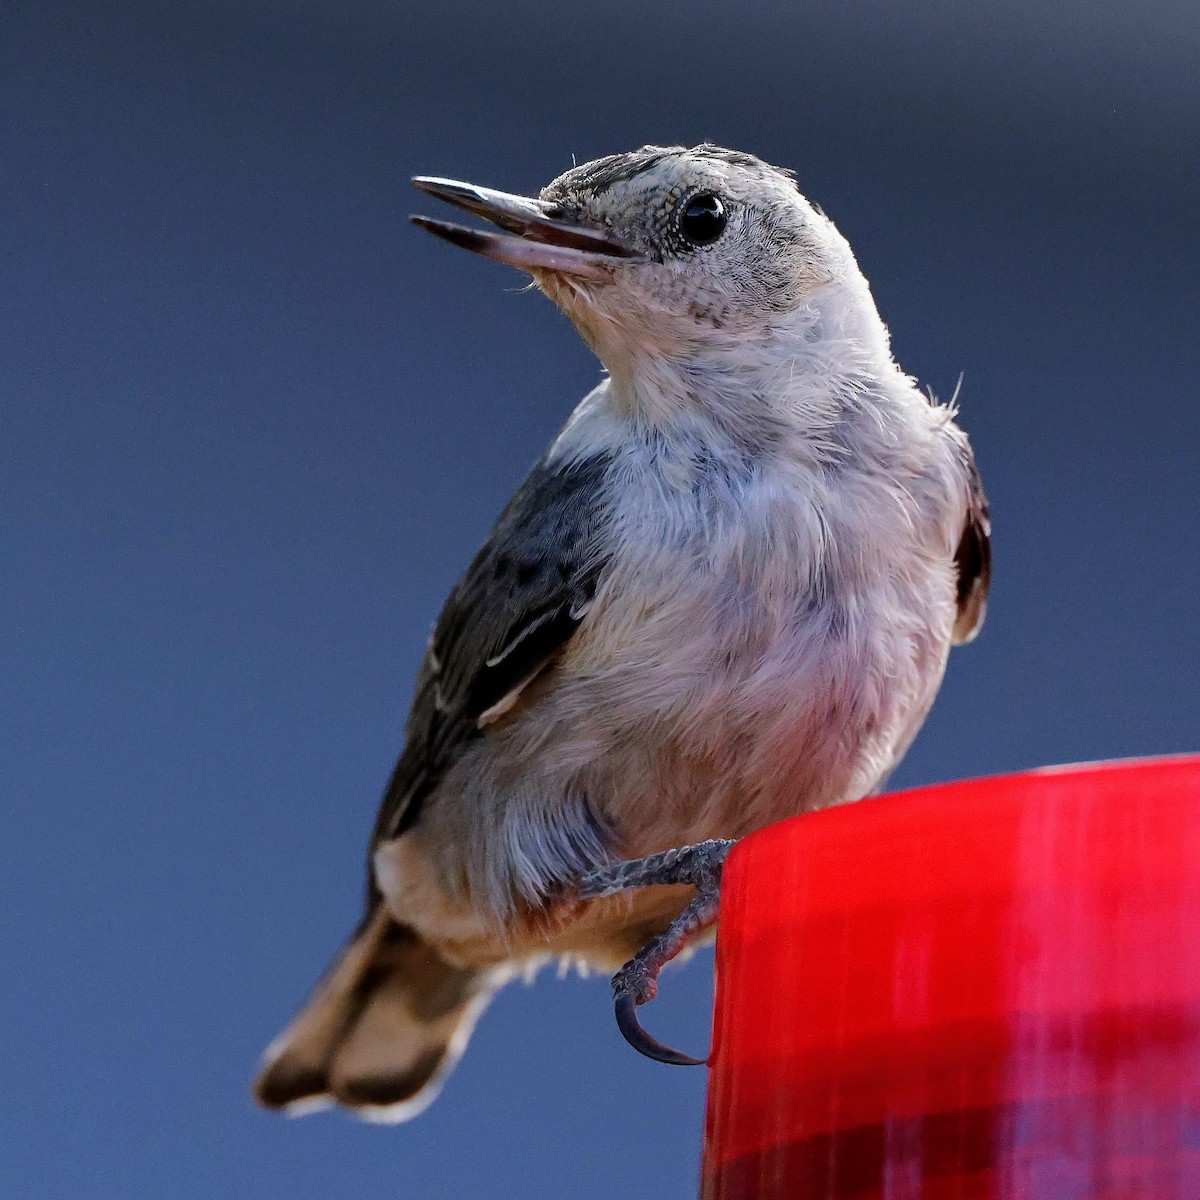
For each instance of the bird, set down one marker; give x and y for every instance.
(724, 595)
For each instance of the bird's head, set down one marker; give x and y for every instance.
(667, 252)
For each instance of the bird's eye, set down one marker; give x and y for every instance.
(702, 218)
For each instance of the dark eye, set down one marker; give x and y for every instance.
(702, 218)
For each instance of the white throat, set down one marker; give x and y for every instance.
(793, 378)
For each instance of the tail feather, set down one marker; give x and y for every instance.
(380, 1032)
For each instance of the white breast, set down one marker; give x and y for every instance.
(771, 633)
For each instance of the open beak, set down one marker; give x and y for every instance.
(537, 236)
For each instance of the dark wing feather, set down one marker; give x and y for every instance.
(973, 558)
(506, 619)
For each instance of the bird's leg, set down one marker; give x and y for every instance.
(637, 981)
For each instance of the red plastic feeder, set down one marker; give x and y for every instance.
(986, 989)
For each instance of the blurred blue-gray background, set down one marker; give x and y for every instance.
(252, 424)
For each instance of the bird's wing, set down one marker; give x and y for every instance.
(973, 558)
(505, 622)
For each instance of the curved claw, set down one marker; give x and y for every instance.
(642, 1042)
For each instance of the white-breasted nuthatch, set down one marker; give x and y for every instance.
(723, 596)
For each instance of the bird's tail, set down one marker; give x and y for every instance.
(381, 1031)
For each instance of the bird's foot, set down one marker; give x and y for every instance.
(694, 864)
(637, 981)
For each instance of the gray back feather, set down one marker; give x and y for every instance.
(505, 621)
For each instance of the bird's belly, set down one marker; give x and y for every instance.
(816, 715)
(710, 710)
(712, 723)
